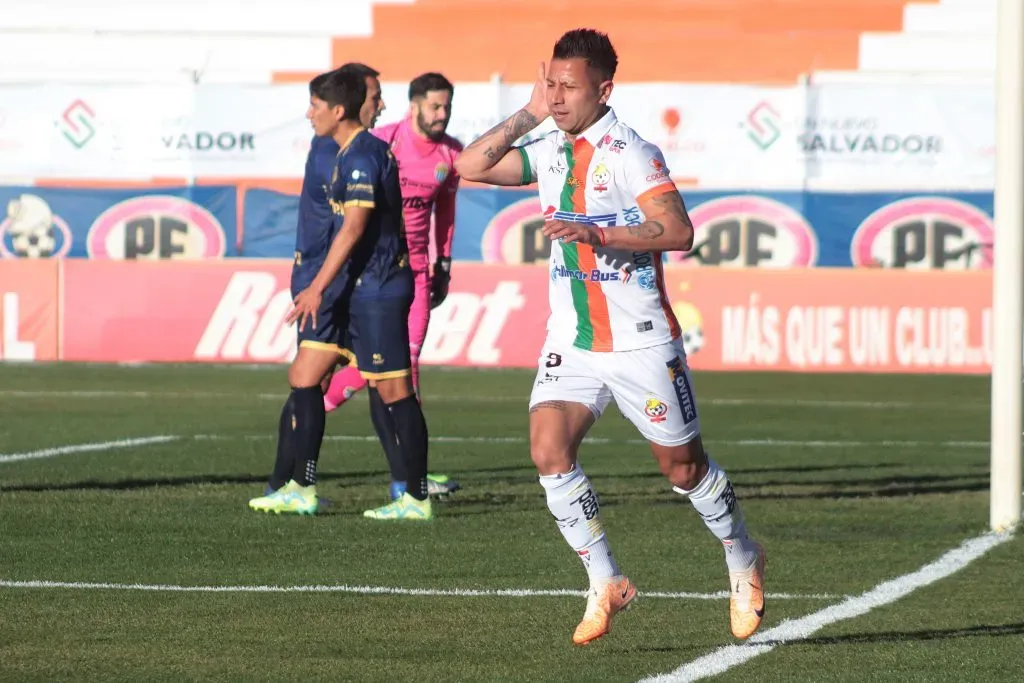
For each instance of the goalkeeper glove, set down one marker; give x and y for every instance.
(439, 282)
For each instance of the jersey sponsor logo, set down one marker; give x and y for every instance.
(684, 392)
(642, 265)
(594, 275)
(416, 203)
(749, 231)
(156, 227)
(660, 170)
(925, 233)
(32, 230)
(600, 178)
(409, 182)
(613, 144)
(632, 216)
(604, 220)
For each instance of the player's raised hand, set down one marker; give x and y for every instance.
(307, 303)
(538, 104)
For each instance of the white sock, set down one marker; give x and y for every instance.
(715, 501)
(576, 508)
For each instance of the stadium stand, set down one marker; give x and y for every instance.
(750, 41)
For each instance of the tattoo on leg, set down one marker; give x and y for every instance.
(554, 405)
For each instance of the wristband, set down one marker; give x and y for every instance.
(602, 237)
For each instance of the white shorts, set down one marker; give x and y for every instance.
(651, 387)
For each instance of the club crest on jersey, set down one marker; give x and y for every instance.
(601, 177)
(441, 172)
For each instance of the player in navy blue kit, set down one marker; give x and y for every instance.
(352, 288)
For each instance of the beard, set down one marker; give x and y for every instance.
(435, 132)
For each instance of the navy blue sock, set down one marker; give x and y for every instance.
(412, 439)
(283, 463)
(307, 425)
(384, 424)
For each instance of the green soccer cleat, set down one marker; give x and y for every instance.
(405, 507)
(289, 499)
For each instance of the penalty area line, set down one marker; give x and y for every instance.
(795, 630)
(381, 590)
(85, 448)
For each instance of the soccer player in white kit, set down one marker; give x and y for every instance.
(611, 211)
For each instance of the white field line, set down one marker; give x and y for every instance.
(757, 443)
(794, 630)
(85, 448)
(381, 590)
(450, 398)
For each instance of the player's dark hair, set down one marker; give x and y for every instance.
(591, 45)
(343, 88)
(424, 83)
(359, 69)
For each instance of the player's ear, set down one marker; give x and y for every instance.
(339, 112)
(605, 90)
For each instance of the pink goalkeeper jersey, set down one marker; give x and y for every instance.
(427, 172)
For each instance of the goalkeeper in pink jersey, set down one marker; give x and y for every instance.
(426, 160)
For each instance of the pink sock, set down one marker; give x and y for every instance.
(344, 384)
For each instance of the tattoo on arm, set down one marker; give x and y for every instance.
(649, 230)
(554, 405)
(672, 204)
(500, 138)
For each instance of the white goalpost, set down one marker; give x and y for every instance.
(1008, 275)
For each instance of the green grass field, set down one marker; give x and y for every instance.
(848, 481)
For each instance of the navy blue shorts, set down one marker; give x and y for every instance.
(378, 336)
(331, 327)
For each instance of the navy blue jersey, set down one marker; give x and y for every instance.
(318, 225)
(366, 175)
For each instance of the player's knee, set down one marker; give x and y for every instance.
(300, 376)
(394, 389)
(551, 456)
(684, 466)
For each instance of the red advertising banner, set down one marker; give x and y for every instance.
(234, 311)
(29, 310)
(835, 320)
(818, 320)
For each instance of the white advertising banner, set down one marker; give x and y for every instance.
(834, 136)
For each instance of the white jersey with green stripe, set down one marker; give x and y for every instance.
(602, 299)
